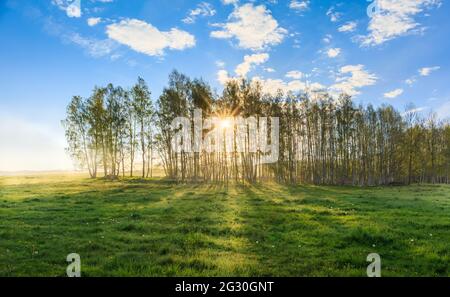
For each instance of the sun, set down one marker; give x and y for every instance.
(225, 124)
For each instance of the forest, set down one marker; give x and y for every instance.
(323, 140)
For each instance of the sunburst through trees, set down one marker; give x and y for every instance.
(322, 140)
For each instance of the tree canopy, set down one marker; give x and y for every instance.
(322, 140)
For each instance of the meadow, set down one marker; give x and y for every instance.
(154, 227)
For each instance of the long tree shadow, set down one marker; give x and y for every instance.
(156, 228)
(283, 237)
(309, 234)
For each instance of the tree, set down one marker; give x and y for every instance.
(143, 110)
(322, 140)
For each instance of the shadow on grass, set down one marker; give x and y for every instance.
(121, 230)
(328, 231)
(155, 227)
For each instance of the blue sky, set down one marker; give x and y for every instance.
(54, 49)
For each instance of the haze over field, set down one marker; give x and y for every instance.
(31, 146)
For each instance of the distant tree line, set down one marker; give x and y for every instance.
(322, 140)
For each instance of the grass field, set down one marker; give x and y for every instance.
(156, 228)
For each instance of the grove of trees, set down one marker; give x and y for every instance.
(322, 140)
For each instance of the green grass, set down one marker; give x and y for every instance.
(156, 228)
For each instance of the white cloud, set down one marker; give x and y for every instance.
(269, 69)
(73, 11)
(334, 16)
(71, 7)
(294, 74)
(351, 78)
(299, 5)
(145, 38)
(273, 86)
(348, 27)
(223, 77)
(395, 18)
(227, 2)
(327, 38)
(393, 94)
(94, 47)
(253, 26)
(250, 60)
(220, 63)
(425, 71)
(410, 81)
(93, 21)
(333, 52)
(203, 9)
(428, 70)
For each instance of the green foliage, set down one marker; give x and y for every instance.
(102, 130)
(322, 140)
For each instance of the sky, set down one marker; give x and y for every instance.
(380, 52)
